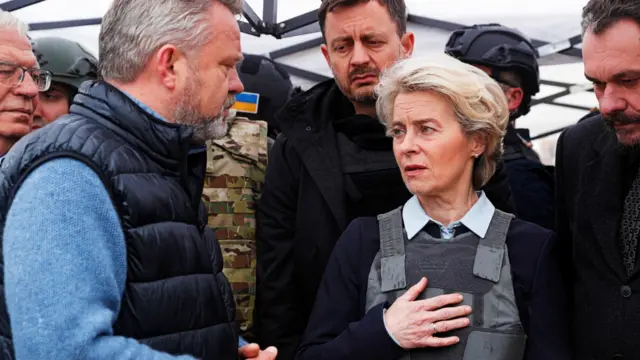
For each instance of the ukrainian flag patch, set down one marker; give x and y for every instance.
(247, 102)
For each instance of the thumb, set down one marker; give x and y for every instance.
(272, 349)
(249, 351)
(414, 291)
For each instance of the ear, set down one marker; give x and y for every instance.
(514, 98)
(170, 66)
(325, 53)
(477, 145)
(407, 41)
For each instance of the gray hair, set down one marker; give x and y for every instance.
(8, 21)
(599, 15)
(478, 101)
(132, 30)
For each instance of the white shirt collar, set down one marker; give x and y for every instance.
(477, 219)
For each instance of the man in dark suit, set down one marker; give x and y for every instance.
(598, 188)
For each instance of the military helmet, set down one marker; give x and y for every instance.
(69, 62)
(267, 88)
(501, 49)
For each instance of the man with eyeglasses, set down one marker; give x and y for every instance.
(70, 65)
(20, 81)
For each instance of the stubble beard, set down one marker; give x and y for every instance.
(204, 127)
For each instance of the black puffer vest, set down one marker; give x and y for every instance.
(176, 299)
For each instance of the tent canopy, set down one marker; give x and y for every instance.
(286, 31)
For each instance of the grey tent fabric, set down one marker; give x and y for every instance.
(553, 26)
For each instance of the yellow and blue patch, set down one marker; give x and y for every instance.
(247, 102)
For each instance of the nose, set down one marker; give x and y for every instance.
(408, 143)
(610, 101)
(27, 88)
(235, 84)
(360, 55)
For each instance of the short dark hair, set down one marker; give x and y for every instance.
(397, 10)
(599, 15)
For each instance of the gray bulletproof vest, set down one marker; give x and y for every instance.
(478, 268)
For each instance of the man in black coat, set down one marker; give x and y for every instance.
(598, 187)
(332, 163)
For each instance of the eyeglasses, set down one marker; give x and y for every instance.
(12, 75)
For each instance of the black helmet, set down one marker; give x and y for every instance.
(501, 49)
(69, 62)
(261, 75)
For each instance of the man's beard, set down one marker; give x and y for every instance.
(619, 118)
(206, 127)
(367, 97)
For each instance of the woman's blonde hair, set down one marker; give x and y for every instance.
(478, 101)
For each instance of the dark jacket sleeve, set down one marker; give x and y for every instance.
(562, 227)
(336, 329)
(532, 185)
(549, 337)
(276, 216)
(498, 190)
(562, 224)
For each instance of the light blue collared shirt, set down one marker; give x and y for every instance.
(477, 219)
(144, 107)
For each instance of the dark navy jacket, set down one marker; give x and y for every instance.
(339, 328)
(177, 299)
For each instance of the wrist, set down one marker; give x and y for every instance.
(384, 320)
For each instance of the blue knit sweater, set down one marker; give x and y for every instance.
(65, 268)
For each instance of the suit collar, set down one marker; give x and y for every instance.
(602, 184)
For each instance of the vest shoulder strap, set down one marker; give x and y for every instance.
(491, 249)
(392, 251)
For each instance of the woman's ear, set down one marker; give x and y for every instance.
(477, 145)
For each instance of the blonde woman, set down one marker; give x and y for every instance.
(447, 275)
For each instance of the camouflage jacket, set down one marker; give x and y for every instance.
(236, 167)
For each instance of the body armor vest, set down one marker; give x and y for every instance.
(354, 160)
(236, 166)
(477, 268)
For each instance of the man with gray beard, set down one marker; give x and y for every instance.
(105, 245)
(598, 188)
